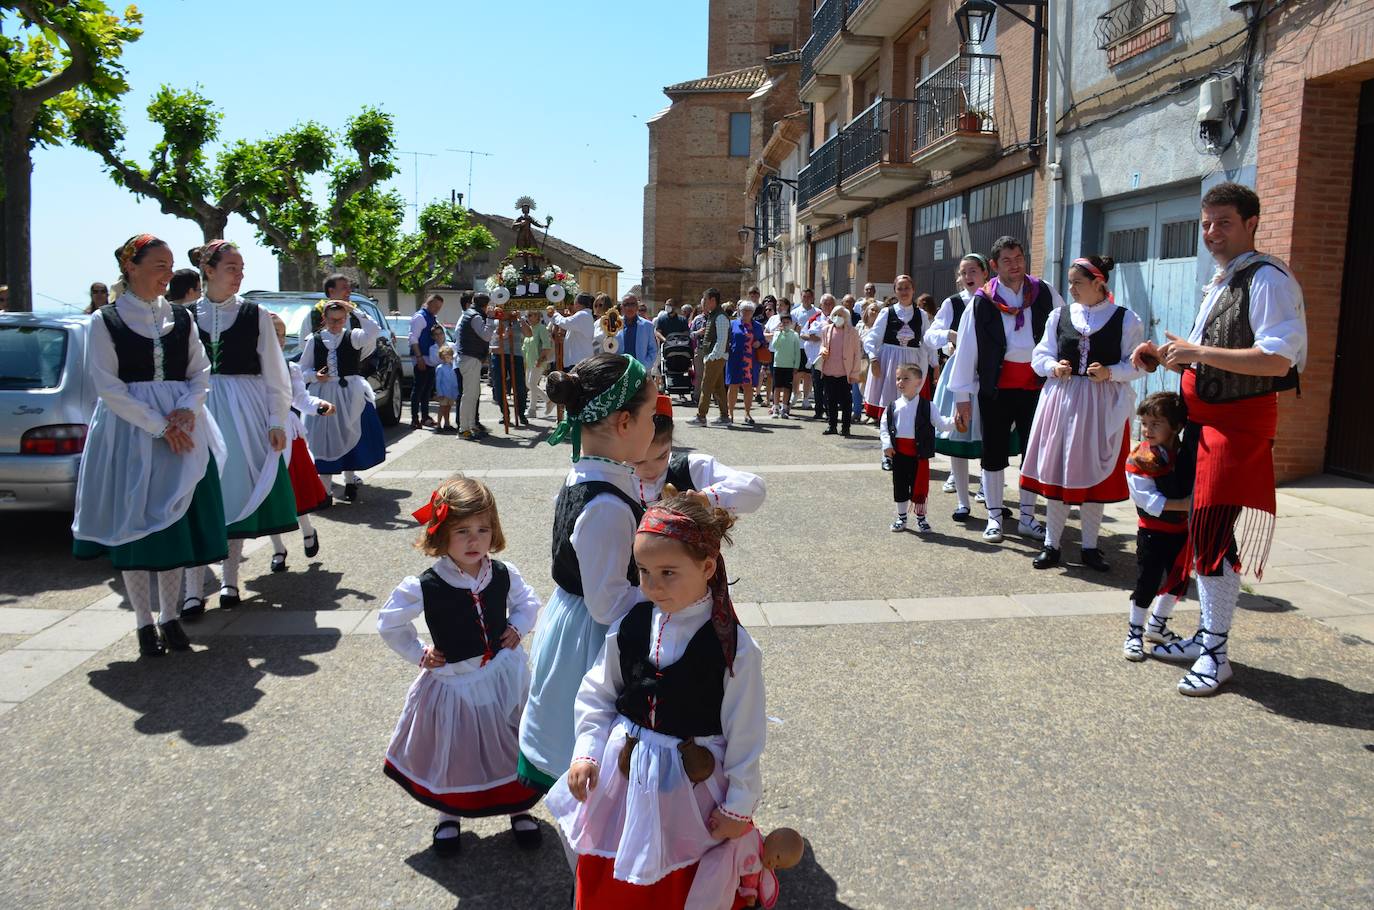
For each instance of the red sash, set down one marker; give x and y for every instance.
(1017, 375)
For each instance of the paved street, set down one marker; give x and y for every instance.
(947, 727)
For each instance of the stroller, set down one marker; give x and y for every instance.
(677, 365)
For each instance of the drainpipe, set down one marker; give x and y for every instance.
(1053, 226)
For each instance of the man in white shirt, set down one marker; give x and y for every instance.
(810, 330)
(578, 330)
(1248, 343)
(474, 347)
(800, 317)
(426, 354)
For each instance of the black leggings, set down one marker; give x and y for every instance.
(835, 390)
(1155, 554)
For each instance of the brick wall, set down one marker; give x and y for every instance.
(1315, 62)
(739, 32)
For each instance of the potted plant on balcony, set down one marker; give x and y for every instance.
(972, 120)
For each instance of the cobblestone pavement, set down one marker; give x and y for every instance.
(947, 727)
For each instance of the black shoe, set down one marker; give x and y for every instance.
(961, 514)
(1047, 559)
(529, 839)
(447, 846)
(312, 545)
(192, 608)
(845, 432)
(229, 597)
(1093, 559)
(174, 636)
(350, 492)
(278, 562)
(149, 645)
(829, 431)
(887, 463)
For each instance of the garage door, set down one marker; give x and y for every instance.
(1155, 247)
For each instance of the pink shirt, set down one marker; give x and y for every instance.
(842, 345)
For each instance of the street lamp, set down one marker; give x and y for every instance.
(744, 232)
(974, 19)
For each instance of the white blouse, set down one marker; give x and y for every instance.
(1088, 321)
(364, 339)
(743, 712)
(603, 538)
(873, 342)
(739, 492)
(150, 320)
(904, 410)
(215, 318)
(396, 619)
(301, 399)
(1277, 313)
(963, 378)
(943, 323)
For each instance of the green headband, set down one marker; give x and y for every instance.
(600, 407)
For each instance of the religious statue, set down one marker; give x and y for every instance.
(524, 234)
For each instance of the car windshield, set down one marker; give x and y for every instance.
(296, 314)
(32, 357)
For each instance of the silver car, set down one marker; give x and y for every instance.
(46, 403)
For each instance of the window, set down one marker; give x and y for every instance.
(33, 356)
(938, 216)
(779, 47)
(1006, 197)
(1130, 245)
(739, 135)
(1178, 240)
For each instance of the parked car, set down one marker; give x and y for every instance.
(46, 403)
(382, 368)
(400, 327)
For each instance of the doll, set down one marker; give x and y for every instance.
(744, 871)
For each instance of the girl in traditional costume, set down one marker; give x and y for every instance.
(738, 492)
(148, 495)
(609, 403)
(1076, 453)
(305, 480)
(456, 745)
(897, 336)
(250, 397)
(670, 723)
(958, 445)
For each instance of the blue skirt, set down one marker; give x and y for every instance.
(368, 453)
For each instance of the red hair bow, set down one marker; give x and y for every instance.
(436, 510)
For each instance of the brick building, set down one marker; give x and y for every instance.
(1159, 104)
(701, 145)
(919, 148)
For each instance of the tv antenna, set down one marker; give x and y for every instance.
(415, 158)
(471, 155)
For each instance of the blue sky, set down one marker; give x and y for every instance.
(558, 92)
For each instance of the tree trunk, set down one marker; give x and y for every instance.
(212, 227)
(393, 294)
(18, 170)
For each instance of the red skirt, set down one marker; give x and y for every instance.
(505, 799)
(305, 480)
(599, 889)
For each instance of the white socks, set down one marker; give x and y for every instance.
(350, 476)
(1056, 516)
(306, 527)
(901, 511)
(1164, 606)
(278, 545)
(992, 494)
(231, 563)
(1218, 595)
(447, 832)
(1027, 507)
(1090, 522)
(139, 585)
(958, 469)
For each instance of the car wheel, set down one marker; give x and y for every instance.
(392, 414)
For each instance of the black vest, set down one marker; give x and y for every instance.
(567, 574)
(894, 325)
(469, 342)
(238, 344)
(680, 473)
(992, 335)
(956, 305)
(452, 616)
(687, 694)
(925, 433)
(135, 353)
(1228, 326)
(347, 356)
(1177, 484)
(1104, 345)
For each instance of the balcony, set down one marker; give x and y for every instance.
(956, 123)
(882, 18)
(832, 50)
(866, 162)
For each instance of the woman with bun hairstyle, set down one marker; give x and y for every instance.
(148, 495)
(609, 402)
(250, 397)
(1076, 453)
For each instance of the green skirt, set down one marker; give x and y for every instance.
(276, 515)
(532, 777)
(195, 539)
(960, 448)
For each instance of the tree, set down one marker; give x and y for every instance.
(274, 177)
(179, 178)
(59, 53)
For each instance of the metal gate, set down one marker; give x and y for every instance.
(1155, 246)
(1350, 438)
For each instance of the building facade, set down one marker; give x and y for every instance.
(920, 147)
(701, 146)
(1162, 100)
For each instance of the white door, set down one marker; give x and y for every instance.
(1154, 244)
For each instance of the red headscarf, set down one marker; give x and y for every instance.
(667, 523)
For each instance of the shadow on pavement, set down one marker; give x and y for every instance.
(195, 694)
(491, 872)
(809, 885)
(32, 547)
(301, 587)
(1309, 699)
(377, 507)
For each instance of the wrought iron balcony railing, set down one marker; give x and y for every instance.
(959, 97)
(879, 135)
(1125, 19)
